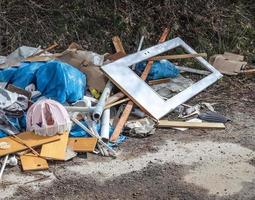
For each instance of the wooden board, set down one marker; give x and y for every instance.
(179, 124)
(32, 162)
(29, 138)
(82, 144)
(56, 150)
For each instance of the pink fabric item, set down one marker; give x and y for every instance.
(47, 118)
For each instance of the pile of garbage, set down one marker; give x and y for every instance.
(56, 105)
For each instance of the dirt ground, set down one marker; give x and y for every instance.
(171, 164)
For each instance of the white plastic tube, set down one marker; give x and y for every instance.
(105, 127)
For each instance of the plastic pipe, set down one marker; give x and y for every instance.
(101, 103)
(105, 127)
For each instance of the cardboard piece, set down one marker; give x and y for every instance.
(228, 63)
(82, 144)
(29, 138)
(31, 162)
(56, 150)
(95, 77)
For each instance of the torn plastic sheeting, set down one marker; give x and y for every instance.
(61, 82)
(160, 69)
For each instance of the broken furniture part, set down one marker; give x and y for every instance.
(18, 139)
(191, 70)
(48, 117)
(82, 144)
(101, 102)
(105, 125)
(28, 138)
(181, 56)
(180, 124)
(3, 166)
(130, 104)
(94, 135)
(213, 117)
(141, 93)
(30, 162)
(55, 150)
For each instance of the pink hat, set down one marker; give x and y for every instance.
(47, 117)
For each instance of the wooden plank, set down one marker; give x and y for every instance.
(29, 138)
(180, 56)
(116, 103)
(115, 98)
(118, 44)
(130, 104)
(30, 162)
(82, 144)
(159, 81)
(55, 150)
(180, 124)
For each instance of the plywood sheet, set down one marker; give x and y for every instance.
(82, 144)
(29, 138)
(56, 150)
(32, 162)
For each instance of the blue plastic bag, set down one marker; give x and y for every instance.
(61, 82)
(160, 69)
(7, 74)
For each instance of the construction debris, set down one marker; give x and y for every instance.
(66, 105)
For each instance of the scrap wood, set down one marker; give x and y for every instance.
(181, 56)
(130, 103)
(192, 70)
(115, 98)
(248, 71)
(29, 138)
(181, 124)
(116, 103)
(56, 150)
(118, 44)
(82, 144)
(159, 81)
(32, 162)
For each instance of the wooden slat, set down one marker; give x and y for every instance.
(179, 124)
(118, 44)
(29, 138)
(55, 150)
(82, 144)
(159, 81)
(31, 162)
(130, 104)
(181, 56)
(115, 98)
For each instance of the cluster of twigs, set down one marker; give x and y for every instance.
(208, 25)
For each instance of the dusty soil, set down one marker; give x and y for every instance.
(171, 164)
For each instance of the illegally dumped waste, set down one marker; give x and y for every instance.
(55, 106)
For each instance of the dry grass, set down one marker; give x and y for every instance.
(208, 25)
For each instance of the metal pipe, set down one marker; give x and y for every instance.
(93, 135)
(138, 49)
(3, 166)
(105, 127)
(101, 103)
